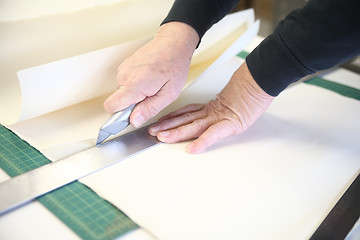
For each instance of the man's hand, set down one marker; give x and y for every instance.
(155, 74)
(235, 109)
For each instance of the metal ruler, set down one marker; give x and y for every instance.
(87, 214)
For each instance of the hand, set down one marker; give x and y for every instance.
(235, 109)
(155, 74)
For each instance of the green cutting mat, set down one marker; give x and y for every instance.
(80, 208)
(335, 87)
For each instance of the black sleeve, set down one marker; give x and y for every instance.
(318, 36)
(200, 14)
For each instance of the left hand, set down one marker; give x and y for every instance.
(235, 109)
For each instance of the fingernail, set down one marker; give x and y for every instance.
(138, 121)
(164, 134)
(154, 128)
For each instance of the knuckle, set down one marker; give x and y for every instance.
(107, 106)
(174, 135)
(214, 131)
(111, 103)
(188, 116)
(195, 107)
(198, 124)
(199, 106)
(152, 109)
(172, 95)
(121, 76)
(234, 126)
(177, 132)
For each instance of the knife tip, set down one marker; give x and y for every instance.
(102, 137)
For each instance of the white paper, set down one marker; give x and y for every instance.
(72, 80)
(278, 180)
(75, 128)
(15, 10)
(40, 39)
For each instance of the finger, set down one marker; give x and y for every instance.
(121, 99)
(175, 122)
(148, 108)
(187, 108)
(214, 133)
(185, 132)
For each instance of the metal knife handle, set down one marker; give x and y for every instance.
(118, 121)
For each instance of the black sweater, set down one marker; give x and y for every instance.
(318, 36)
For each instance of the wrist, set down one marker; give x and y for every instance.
(247, 82)
(245, 97)
(181, 36)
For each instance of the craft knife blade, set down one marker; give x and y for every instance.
(117, 122)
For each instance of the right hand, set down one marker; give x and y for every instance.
(155, 74)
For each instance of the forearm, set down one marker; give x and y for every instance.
(316, 37)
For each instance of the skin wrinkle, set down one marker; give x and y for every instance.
(240, 107)
(189, 108)
(219, 111)
(151, 108)
(234, 110)
(156, 74)
(235, 120)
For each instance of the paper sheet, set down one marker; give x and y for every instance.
(278, 180)
(72, 80)
(15, 10)
(67, 128)
(42, 38)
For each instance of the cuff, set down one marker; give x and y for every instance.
(273, 66)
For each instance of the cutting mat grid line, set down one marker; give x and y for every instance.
(12, 148)
(80, 208)
(335, 87)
